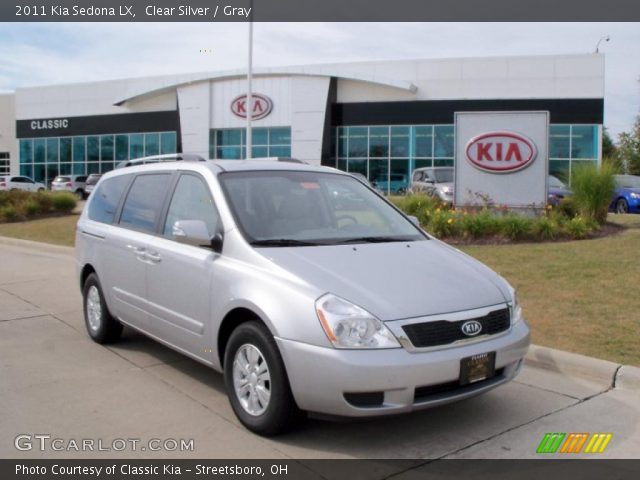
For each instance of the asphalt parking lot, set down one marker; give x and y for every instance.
(54, 380)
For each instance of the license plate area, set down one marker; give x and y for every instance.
(477, 368)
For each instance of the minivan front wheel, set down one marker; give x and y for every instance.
(257, 382)
(101, 326)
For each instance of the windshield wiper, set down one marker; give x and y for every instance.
(283, 242)
(379, 239)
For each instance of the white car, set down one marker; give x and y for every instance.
(70, 183)
(20, 183)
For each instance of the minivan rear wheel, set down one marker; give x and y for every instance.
(257, 382)
(101, 326)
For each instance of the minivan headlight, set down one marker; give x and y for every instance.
(349, 326)
(516, 309)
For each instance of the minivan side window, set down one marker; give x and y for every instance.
(144, 201)
(191, 201)
(106, 198)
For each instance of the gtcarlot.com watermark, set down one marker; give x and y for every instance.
(44, 442)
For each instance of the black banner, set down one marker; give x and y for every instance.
(320, 469)
(318, 11)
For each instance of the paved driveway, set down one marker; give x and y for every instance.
(55, 380)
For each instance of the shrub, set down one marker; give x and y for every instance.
(593, 188)
(31, 207)
(478, 225)
(44, 201)
(577, 227)
(545, 228)
(64, 201)
(515, 227)
(9, 213)
(443, 223)
(567, 207)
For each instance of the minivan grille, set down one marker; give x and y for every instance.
(442, 332)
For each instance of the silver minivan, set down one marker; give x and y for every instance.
(308, 290)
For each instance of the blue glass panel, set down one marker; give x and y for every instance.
(26, 152)
(280, 136)
(39, 151)
(559, 138)
(106, 148)
(93, 148)
(168, 142)
(422, 142)
(443, 140)
(53, 145)
(151, 144)
(379, 142)
(122, 147)
(79, 150)
(260, 136)
(584, 141)
(280, 151)
(65, 149)
(358, 141)
(399, 141)
(136, 146)
(26, 171)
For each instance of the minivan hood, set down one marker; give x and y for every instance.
(394, 280)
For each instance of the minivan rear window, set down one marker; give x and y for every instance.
(143, 204)
(106, 198)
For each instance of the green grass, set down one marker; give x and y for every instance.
(580, 296)
(56, 230)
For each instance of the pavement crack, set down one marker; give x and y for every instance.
(546, 390)
(615, 378)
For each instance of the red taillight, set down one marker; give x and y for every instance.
(69, 184)
(2, 184)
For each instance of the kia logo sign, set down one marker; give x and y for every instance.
(501, 152)
(471, 328)
(262, 106)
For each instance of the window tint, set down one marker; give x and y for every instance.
(191, 201)
(81, 179)
(144, 201)
(105, 199)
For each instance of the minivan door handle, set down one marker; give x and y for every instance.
(153, 257)
(137, 250)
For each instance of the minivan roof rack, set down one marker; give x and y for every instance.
(278, 159)
(167, 157)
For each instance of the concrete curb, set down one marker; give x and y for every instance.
(628, 378)
(572, 364)
(39, 246)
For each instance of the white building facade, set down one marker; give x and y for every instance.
(382, 119)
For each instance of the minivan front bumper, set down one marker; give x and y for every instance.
(400, 381)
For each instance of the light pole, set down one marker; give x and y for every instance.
(606, 38)
(248, 143)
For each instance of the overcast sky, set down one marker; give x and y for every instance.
(50, 53)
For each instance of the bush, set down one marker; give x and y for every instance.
(577, 227)
(545, 228)
(567, 207)
(64, 201)
(31, 207)
(515, 227)
(593, 188)
(44, 201)
(443, 224)
(9, 213)
(479, 225)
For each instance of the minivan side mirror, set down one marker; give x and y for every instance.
(194, 232)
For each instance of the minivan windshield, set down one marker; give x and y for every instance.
(442, 175)
(277, 208)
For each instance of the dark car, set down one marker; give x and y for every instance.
(557, 191)
(626, 198)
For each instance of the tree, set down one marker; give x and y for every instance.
(629, 149)
(609, 149)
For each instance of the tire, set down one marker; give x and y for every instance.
(101, 326)
(80, 194)
(622, 206)
(41, 190)
(279, 411)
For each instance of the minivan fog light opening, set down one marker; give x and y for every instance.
(349, 326)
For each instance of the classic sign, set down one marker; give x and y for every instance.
(262, 106)
(501, 152)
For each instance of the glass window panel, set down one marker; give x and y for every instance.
(260, 136)
(359, 166)
(257, 152)
(26, 151)
(151, 144)
(443, 141)
(212, 144)
(51, 172)
(560, 169)
(559, 141)
(280, 136)
(399, 141)
(79, 168)
(39, 174)
(229, 137)
(280, 151)
(106, 147)
(419, 163)
(443, 162)
(93, 168)
(106, 167)
(93, 148)
(79, 149)
(26, 171)
(65, 149)
(379, 173)
(342, 142)
(228, 153)
(65, 169)
(357, 141)
(379, 142)
(584, 141)
(136, 146)
(106, 197)
(168, 142)
(53, 146)
(122, 147)
(191, 201)
(144, 201)
(342, 164)
(422, 141)
(39, 150)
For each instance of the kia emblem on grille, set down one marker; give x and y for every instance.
(471, 328)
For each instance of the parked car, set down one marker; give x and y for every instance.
(92, 180)
(9, 182)
(626, 198)
(253, 269)
(557, 191)
(364, 180)
(396, 183)
(434, 181)
(70, 183)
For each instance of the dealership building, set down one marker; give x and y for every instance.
(382, 119)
